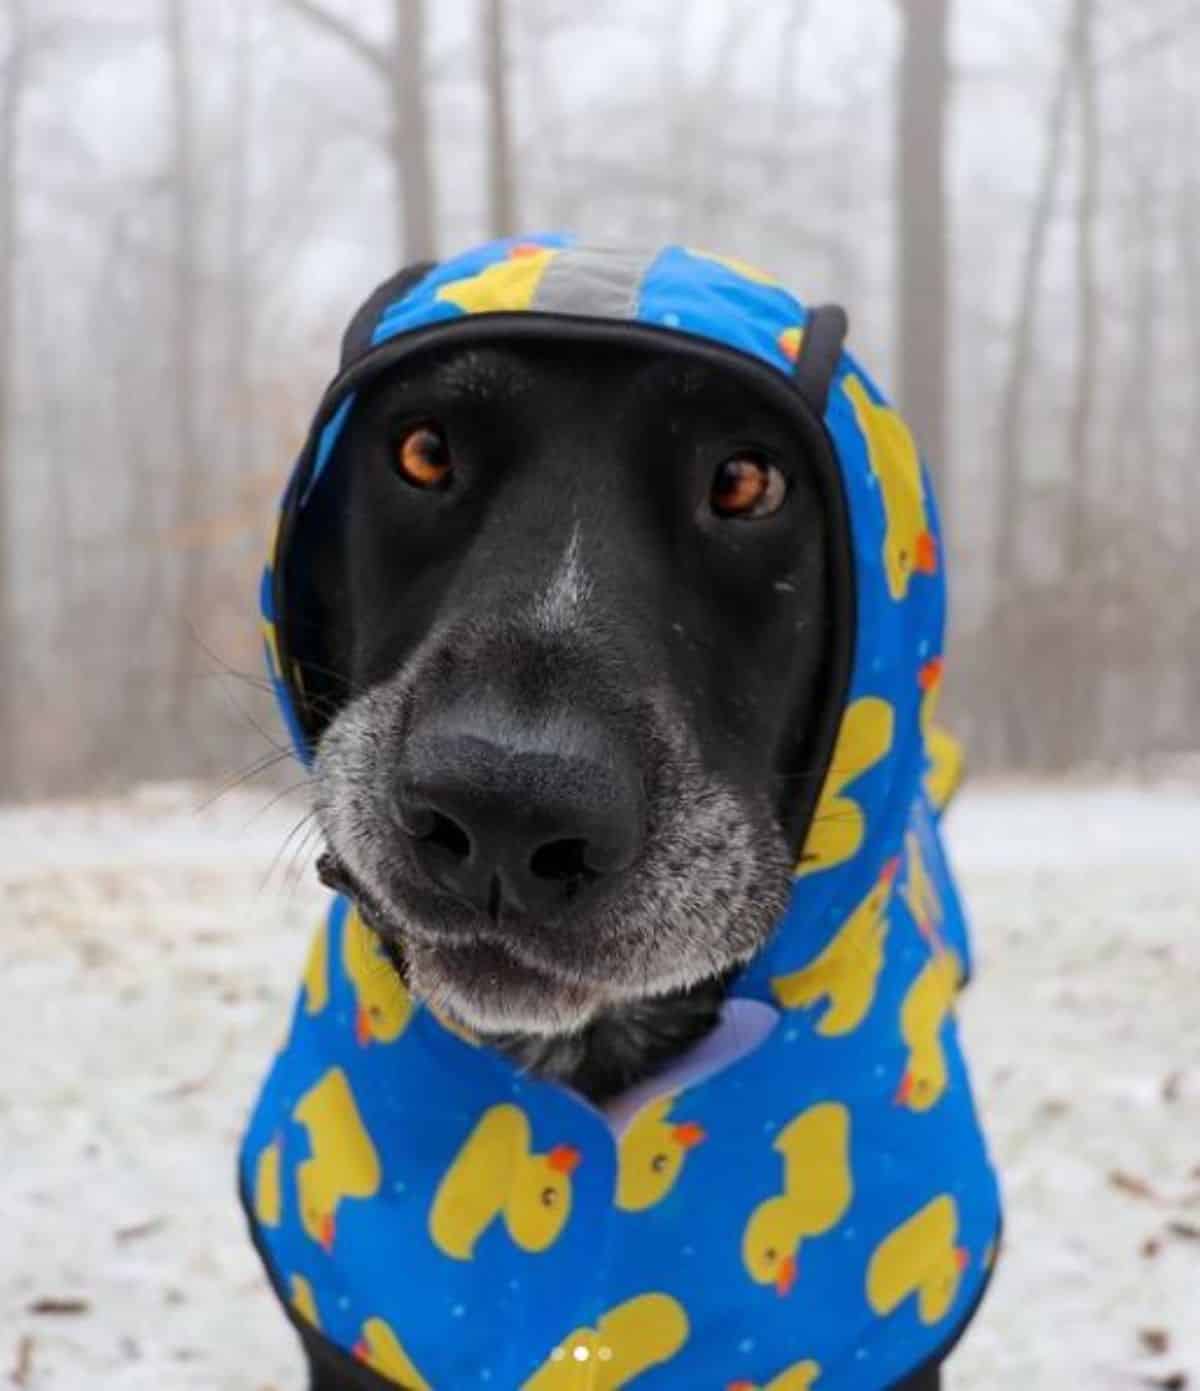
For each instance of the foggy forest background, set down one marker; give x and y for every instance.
(193, 198)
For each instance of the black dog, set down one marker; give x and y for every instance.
(607, 607)
(560, 589)
(550, 620)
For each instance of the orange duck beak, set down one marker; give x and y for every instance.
(925, 561)
(891, 868)
(362, 1027)
(962, 1258)
(564, 1158)
(327, 1231)
(904, 1090)
(930, 674)
(785, 1276)
(688, 1134)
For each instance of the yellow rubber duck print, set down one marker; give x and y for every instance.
(945, 753)
(909, 547)
(494, 1174)
(920, 895)
(641, 1333)
(838, 824)
(304, 1301)
(383, 1005)
(380, 1349)
(316, 972)
(507, 285)
(920, 1257)
(268, 1194)
(799, 1377)
(789, 342)
(928, 1001)
(651, 1155)
(343, 1163)
(845, 974)
(817, 1188)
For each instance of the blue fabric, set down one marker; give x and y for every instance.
(822, 1211)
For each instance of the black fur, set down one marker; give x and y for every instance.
(699, 652)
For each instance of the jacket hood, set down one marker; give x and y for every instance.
(847, 1124)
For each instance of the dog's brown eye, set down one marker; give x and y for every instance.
(747, 486)
(423, 457)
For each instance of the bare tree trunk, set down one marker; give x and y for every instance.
(184, 334)
(410, 134)
(13, 77)
(239, 272)
(401, 69)
(1088, 320)
(502, 199)
(922, 244)
(1006, 560)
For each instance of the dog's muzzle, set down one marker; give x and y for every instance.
(502, 812)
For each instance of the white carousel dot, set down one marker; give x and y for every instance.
(746, 1345)
(558, 1354)
(790, 1036)
(458, 1311)
(604, 1352)
(344, 1302)
(580, 1354)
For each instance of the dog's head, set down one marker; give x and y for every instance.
(563, 622)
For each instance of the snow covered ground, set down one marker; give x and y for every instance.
(149, 951)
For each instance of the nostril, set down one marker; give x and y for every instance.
(561, 859)
(448, 834)
(425, 824)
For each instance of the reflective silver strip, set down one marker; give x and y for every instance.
(598, 281)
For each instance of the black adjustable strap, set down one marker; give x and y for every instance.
(820, 348)
(357, 338)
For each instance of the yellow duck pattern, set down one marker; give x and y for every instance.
(921, 1257)
(652, 1154)
(383, 1006)
(641, 1333)
(304, 1301)
(817, 1187)
(388, 1136)
(316, 972)
(944, 752)
(838, 824)
(801, 1376)
(845, 973)
(495, 1174)
(926, 1004)
(343, 1163)
(506, 286)
(268, 1193)
(380, 1349)
(909, 547)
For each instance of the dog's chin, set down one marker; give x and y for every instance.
(484, 986)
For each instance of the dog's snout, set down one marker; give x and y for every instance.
(532, 819)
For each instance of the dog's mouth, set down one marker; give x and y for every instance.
(489, 983)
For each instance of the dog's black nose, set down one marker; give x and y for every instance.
(521, 816)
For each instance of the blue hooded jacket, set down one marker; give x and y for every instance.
(809, 1205)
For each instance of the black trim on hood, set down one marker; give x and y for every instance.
(812, 752)
(821, 347)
